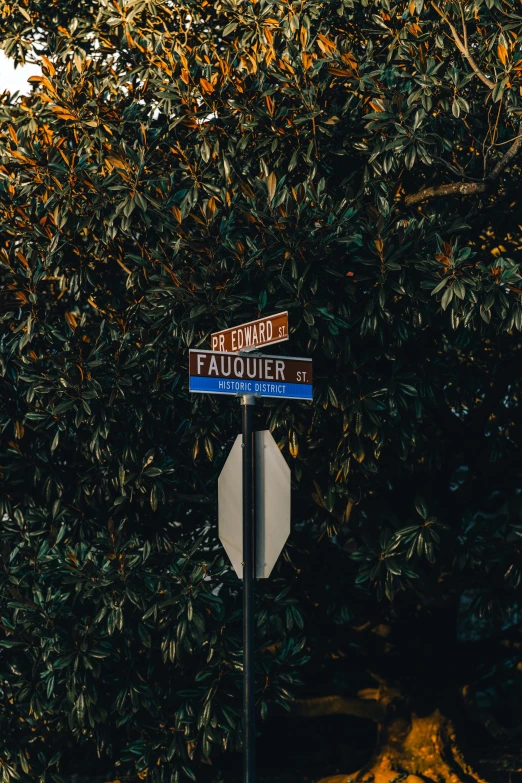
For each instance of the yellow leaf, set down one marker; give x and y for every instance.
(49, 66)
(270, 104)
(303, 36)
(271, 184)
(502, 54)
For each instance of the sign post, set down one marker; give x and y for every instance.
(235, 366)
(249, 564)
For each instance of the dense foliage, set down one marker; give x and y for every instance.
(179, 168)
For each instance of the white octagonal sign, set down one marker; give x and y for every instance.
(272, 498)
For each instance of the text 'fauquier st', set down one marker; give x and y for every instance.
(264, 376)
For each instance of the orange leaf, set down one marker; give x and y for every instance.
(49, 66)
(206, 86)
(22, 258)
(307, 60)
(64, 114)
(343, 72)
(324, 43)
(116, 162)
(71, 320)
(502, 54)
(270, 55)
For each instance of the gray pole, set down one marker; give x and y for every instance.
(249, 730)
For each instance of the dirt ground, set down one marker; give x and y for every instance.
(305, 751)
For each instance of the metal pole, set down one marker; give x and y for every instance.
(249, 731)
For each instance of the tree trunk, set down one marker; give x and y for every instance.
(414, 751)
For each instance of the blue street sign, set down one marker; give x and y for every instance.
(217, 372)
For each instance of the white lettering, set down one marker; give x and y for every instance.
(201, 359)
(213, 368)
(233, 338)
(269, 330)
(240, 338)
(248, 332)
(280, 370)
(255, 339)
(214, 342)
(221, 342)
(229, 368)
(251, 367)
(262, 332)
(270, 388)
(239, 363)
(268, 369)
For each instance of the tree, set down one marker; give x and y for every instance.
(181, 168)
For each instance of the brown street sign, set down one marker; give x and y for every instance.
(216, 372)
(254, 334)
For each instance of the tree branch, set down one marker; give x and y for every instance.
(337, 705)
(455, 188)
(466, 188)
(462, 46)
(508, 157)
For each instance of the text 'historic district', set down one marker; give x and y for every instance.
(215, 372)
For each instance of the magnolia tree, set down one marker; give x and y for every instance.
(181, 168)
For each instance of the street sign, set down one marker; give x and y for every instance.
(272, 502)
(216, 372)
(254, 485)
(252, 335)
